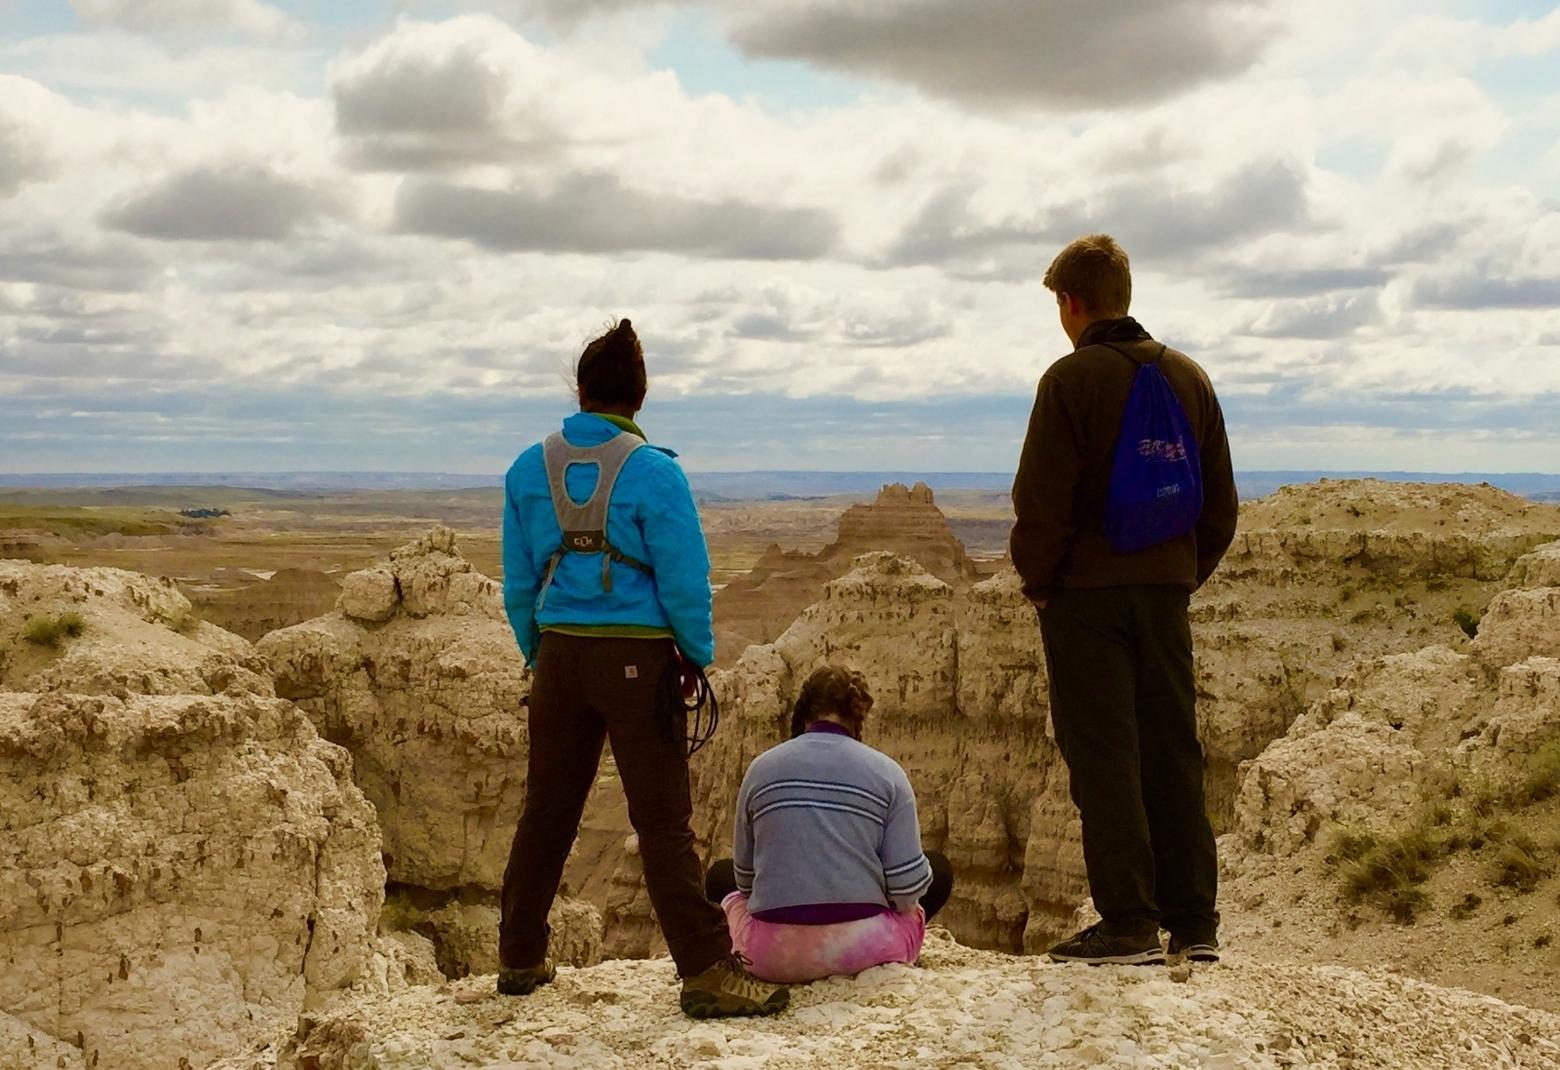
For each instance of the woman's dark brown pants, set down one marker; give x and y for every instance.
(586, 690)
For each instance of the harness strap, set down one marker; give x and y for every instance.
(584, 525)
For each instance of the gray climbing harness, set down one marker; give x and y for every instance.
(585, 526)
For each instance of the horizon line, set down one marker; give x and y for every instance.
(234, 472)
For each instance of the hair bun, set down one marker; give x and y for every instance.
(624, 326)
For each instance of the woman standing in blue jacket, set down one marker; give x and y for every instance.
(606, 584)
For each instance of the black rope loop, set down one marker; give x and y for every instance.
(693, 718)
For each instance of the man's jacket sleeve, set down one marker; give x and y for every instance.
(521, 581)
(1221, 502)
(670, 522)
(1049, 469)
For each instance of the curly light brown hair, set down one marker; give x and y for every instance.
(836, 690)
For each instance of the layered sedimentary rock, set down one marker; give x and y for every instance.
(184, 864)
(1320, 578)
(291, 596)
(417, 674)
(1436, 749)
(1325, 575)
(904, 521)
(757, 607)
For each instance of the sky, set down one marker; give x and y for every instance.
(261, 235)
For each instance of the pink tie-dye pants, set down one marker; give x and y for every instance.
(792, 954)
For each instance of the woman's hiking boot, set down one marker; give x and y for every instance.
(1194, 950)
(523, 982)
(1096, 947)
(728, 990)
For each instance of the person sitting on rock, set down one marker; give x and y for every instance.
(606, 584)
(828, 876)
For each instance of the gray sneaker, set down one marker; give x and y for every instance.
(1194, 950)
(1096, 947)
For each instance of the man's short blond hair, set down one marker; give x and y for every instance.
(1095, 270)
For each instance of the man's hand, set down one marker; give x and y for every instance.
(1039, 604)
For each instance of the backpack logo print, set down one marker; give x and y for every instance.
(631, 672)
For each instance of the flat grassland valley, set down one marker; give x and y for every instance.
(252, 560)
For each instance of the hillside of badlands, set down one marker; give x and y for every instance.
(284, 854)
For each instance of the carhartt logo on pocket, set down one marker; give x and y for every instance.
(631, 672)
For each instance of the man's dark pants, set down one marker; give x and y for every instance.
(1124, 709)
(585, 690)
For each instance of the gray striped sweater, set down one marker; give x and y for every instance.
(824, 818)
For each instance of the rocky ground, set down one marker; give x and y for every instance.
(959, 1008)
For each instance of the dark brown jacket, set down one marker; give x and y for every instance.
(1064, 472)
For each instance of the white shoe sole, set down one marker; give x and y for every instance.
(1140, 958)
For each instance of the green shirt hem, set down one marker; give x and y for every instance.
(610, 631)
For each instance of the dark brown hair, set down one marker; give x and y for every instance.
(832, 689)
(611, 371)
(1095, 270)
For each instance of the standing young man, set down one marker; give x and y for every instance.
(1118, 640)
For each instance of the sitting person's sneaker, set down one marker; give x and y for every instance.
(728, 990)
(523, 982)
(1194, 950)
(1097, 947)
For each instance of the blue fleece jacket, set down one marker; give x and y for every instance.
(651, 517)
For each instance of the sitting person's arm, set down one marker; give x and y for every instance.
(906, 872)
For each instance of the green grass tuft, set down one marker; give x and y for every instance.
(183, 621)
(1542, 780)
(52, 631)
(1387, 871)
(1467, 621)
(1518, 864)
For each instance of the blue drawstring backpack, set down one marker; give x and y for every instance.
(1156, 491)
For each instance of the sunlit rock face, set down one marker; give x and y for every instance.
(417, 674)
(1437, 759)
(129, 634)
(185, 865)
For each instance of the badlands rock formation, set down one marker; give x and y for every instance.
(758, 606)
(417, 674)
(252, 609)
(1319, 578)
(1446, 766)
(961, 1008)
(185, 865)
